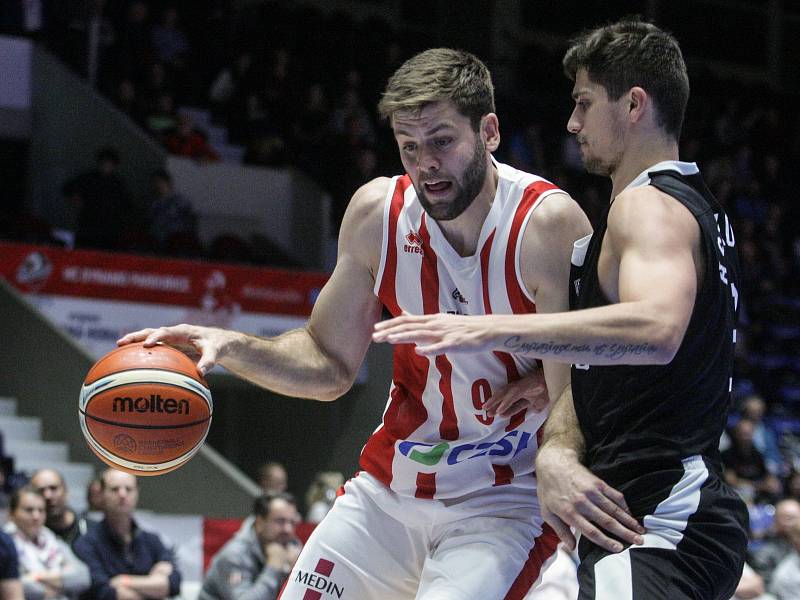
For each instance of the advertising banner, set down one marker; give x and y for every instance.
(98, 296)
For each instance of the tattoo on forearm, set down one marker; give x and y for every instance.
(613, 351)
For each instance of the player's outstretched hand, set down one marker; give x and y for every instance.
(206, 345)
(529, 392)
(435, 334)
(571, 496)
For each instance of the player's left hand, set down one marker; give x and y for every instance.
(529, 392)
(436, 334)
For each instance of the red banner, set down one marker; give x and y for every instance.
(135, 278)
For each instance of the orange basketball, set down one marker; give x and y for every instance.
(145, 410)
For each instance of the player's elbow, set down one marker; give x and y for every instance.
(337, 385)
(666, 342)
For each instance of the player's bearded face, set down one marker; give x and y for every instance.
(463, 190)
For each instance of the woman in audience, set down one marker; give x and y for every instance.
(47, 567)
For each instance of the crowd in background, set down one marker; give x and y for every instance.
(296, 86)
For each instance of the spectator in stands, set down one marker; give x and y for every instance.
(321, 494)
(169, 41)
(60, 518)
(272, 477)
(125, 561)
(745, 468)
(792, 486)
(169, 214)
(255, 563)
(751, 586)
(764, 438)
(104, 205)
(786, 577)
(48, 568)
(777, 545)
(94, 496)
(187, 141)
(10, 585)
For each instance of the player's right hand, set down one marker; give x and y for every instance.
(570, 496)
(206, 345)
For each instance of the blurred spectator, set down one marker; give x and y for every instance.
(751, 586)
(786, 578)
(169, 214)
(104, 206)
(764, 438)
(163, 119)
(255, 563)
(125, 99)
(777, 545)
(272, 478)
(322, 494)
(792, 486)
(169, 41)
(10, 585)
(187, 141)
(125, 561)
(61, 519)
(94, 496)
(48, 568)
(134, 47)
(745, 468)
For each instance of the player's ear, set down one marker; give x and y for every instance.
(637, 103)
(490, 131)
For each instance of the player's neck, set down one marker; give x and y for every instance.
(640, 154)
(463, 232)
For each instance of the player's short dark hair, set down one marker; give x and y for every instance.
(632, 53)
(440, 74)
(263, 504)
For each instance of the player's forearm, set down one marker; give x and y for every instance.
(625, 333)
(562, 433)
(292, 364)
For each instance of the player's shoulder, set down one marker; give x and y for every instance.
(635, 203)
(368, 201)
(362, 227)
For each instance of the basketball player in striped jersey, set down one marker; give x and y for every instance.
(630, 453)
(446, 505)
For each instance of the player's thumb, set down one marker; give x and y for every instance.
(206, 362)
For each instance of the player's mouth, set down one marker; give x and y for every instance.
(437, 188)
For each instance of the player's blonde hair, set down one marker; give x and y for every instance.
(436, 75)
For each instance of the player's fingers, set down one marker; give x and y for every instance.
(513, 408)
(591, 531)
(562, 530)
(433, 349)
(207, 360)
(616, 519)
(134, 336)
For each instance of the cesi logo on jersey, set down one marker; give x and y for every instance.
(429, 455)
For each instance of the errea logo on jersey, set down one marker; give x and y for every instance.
(429, 455)
(414, 245)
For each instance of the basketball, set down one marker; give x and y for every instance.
(145, 411)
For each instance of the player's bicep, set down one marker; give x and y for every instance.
(656, 245)
(344, 314)
(347, 309)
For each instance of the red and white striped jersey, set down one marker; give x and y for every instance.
(436, 441)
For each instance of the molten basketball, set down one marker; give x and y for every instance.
(145, 410)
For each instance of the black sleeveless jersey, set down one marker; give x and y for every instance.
(638, 420)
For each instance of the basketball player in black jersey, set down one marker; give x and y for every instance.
(629, 457)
